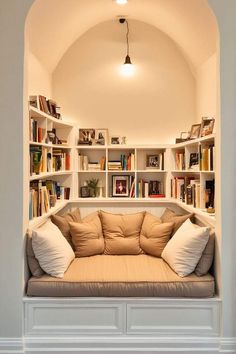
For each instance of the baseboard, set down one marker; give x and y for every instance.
(228, 345)
(11, 346)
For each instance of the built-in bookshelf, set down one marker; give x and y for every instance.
(51, 143)
(60, 169)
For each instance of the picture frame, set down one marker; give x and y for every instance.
(154, 161)
(86, 136)
(115, 140)
(195, 131)
(120, 186)
(207, 126)
(101, 136)
(51, 137)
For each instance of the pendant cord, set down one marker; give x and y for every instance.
(127, 36)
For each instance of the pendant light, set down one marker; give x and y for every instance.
(121, 2)
(127, 68)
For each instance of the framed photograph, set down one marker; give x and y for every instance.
(115, 140)
(101, 136)
(207, 126)
(86, 137)
(195, 131)
(154, 162)
(51, 137)
(120, 186)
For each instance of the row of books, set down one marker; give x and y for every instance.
(207, 158)
(150, 189)
(84, 164)
(42, 160)
(189, 190)
(204, 160)
(43, 196)
(36, 132)
(47, 106)
(180, 161)
(126, 163)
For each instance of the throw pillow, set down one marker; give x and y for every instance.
(207, 257)
(33, 263)
(121, 232)
(52, 250)
(62, 222)
(185, 248)
(154, 235)
(170, 216)
(87, 236)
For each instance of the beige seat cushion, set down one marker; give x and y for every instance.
(105, 275)
(62, 222)
(170, 216)
(87, 237)
(154, 235)
(121, 232)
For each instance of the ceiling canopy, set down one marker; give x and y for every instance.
(54, 25)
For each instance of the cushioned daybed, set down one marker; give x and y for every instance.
(105, 275)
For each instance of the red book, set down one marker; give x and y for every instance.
(40, 135)
(67, 161)
(157, 196)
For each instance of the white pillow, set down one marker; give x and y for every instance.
(185, 248)
(52, 250)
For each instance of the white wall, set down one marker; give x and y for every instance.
(207, 89)
(39, 80)
(88, 86)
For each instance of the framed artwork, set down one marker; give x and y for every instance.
(195, 131)
(154, 161)
(101, 136)
(207, 126)
(86, 136)
(115, 140)
(120, 186)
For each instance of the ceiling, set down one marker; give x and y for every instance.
(54, 25)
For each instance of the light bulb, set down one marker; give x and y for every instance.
(127, 70)
(121, 2)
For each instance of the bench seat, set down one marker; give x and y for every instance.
(121, 276)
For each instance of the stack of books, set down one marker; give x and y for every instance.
(36, 133)
(115, 165)
(126, 163)
(60, 160)
(207, 158)
(180, 161)
(43, 196)
(40, 160)
(85, 165)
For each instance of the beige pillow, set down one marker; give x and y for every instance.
(33, 263)
(170, 216)
(185, 248)
(121, 232)
(62, 222)
(87, 237)
(52, 250)
(207, 257)
(154, 235)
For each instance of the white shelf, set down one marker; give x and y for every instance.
(49, 174)
(92, 171)
(152, 171)
(185, 171)
(121, 171)
(60, 204)
(120, 199)
(194, 141)
(37, 113)
(60, 146)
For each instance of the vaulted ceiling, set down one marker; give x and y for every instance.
(54, 25)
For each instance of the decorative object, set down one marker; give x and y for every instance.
(207, 126)
(93, 187)
(127, 67)
(100, 187)
(101, 136)
(195, 131)
(154, 161)
(120, 186)
(115, 140)
(184, 136)
(123, 140)
(86, 136)
(84, 191)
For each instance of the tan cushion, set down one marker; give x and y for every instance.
(123, 276)
(170, 216)
(121, 232)
(207, 257)
(154, 235)
(33, 263)
(87, 237)
(62, 222)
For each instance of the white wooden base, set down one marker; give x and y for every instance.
(127, 325)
